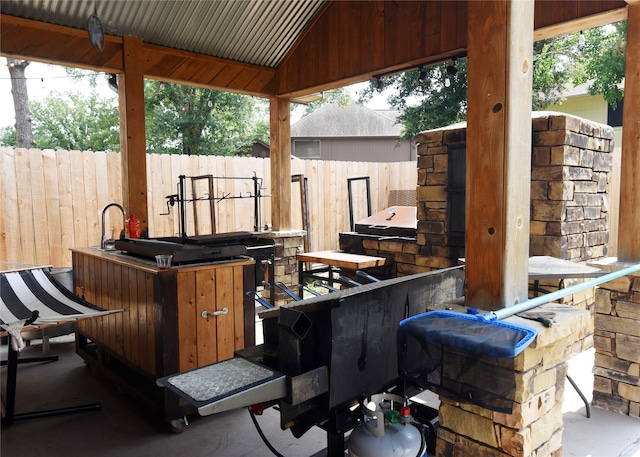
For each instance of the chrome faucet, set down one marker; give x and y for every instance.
(103, 240)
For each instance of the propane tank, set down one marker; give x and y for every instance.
(132, 227)
(388, 433)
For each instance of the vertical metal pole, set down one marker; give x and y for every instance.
(12, 371)
(350, 195)
(256, 203)
(181, 205)
(351, 223)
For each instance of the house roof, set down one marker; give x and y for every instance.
(355, 120)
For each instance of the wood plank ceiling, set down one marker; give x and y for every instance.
(265, 48)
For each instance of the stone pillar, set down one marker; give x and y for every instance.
(534, 428)
(617, 341)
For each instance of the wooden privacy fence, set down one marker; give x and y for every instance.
(52, 200)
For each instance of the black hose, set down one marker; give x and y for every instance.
(264, 438)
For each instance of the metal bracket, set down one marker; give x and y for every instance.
(206, 314)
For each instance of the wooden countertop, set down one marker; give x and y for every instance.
(148, 265)
(342, 259)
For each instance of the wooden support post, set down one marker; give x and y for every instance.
(280, 163)
(498, 152)
(629, 220)
(132, 133)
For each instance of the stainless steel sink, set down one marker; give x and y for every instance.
(110, 250)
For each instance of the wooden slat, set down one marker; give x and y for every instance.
(133, 318)
(151, 325)
(36, 183)
(207, 328)
(25, 204)
(52, 223)
(126, 314)
(141, 325)
(10, 222)
(187, 321)
(237, 308)
(67, 225)
(90, 187)
(224, 323)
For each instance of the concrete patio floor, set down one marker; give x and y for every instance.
(123, 428)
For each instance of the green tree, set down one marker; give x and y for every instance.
(196, 121)
(427, 98)
(550, 73)
(602, 61)
(8, 137)
(426, 102)
(75, 122)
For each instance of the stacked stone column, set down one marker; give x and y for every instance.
(534, 428)
(617, 342)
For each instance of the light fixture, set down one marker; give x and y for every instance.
(422, 76)
(581, 39)
(379, 84)
(306, 99)
(96, 34)
(113, 82)
(452, 69)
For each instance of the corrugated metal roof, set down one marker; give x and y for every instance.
(258, 32)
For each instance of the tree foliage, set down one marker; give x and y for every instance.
(195, 121)
(73, 121)
(426, 102)
(603, 61)
(427, 98)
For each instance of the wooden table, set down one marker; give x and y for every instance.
(334, 261)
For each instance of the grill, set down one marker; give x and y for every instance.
(219, 247)
(193, 249)
(323, 355)
(393, 221)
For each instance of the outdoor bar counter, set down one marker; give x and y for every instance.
(167, 323)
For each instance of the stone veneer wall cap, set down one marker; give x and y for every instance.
(612, 264)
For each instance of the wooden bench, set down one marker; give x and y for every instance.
(334, 262)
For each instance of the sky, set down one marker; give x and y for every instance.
(42, 79)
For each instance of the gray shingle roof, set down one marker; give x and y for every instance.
(355, 120)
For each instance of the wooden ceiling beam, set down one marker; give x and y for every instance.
(58, 45)
(173, 65)
(579, 23)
